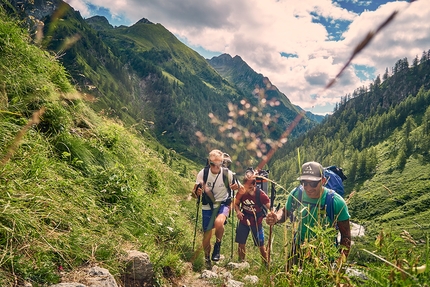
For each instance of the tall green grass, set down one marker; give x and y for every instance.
(78, 189)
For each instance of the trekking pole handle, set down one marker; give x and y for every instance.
(272, 196)
(198, 196)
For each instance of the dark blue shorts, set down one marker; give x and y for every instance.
(242, 232)
(207, 216)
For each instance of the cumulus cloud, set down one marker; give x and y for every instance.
(80, 6)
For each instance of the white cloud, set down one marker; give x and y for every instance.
(259, 31)
(80, 6)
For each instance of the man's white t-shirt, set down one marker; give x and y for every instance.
(219, 190)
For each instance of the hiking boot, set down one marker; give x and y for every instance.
(215, 255)
(208, 263)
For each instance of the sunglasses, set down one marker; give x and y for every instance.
(215, 164)
(312, 184)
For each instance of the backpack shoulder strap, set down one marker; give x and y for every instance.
(329, 205)
(225, 178)
(205, 174)
(258, 199)
(205, 179)
(297, 193)
(257, 196)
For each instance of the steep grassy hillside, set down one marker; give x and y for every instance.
(78, 188)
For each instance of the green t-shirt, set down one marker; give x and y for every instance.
(309, 212)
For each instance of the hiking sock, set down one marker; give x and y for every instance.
(217, 248)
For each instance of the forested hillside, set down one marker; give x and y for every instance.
(237, 71)
(380, 136)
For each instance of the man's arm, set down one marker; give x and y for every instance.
(345, 236)
(236, 206)
(276, 217)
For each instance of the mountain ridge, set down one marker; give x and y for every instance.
(237, 71)
(145, 68)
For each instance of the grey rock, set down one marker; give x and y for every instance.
(355, 273)
(100, 277)
(242, 265)
(233, 283)
(139, 270)
(251, 278)
(207, 274)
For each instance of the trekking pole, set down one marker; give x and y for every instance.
(272, 200)
(232, 218)
(232, 226)
(256, 228)
(197, 219)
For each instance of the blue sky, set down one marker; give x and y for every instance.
(299, 45)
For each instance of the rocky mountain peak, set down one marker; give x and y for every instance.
(99, 23)
(144, 21)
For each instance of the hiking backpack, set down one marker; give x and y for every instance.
(335, 177)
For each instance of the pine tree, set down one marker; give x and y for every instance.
(353, 167)
(401, 158)
(385, 76)
(426, 122)
(362, 163)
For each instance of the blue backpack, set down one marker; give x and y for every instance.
(335, 178)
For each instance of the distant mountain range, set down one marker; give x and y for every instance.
(146, 77)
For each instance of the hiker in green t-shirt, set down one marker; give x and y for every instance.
(310, 208)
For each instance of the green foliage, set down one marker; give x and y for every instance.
(29, 76)
(403, 255)
(75, 186)
(384, 153)
(79, 189)
(317, 263)
(116, 185)
(152, 180)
